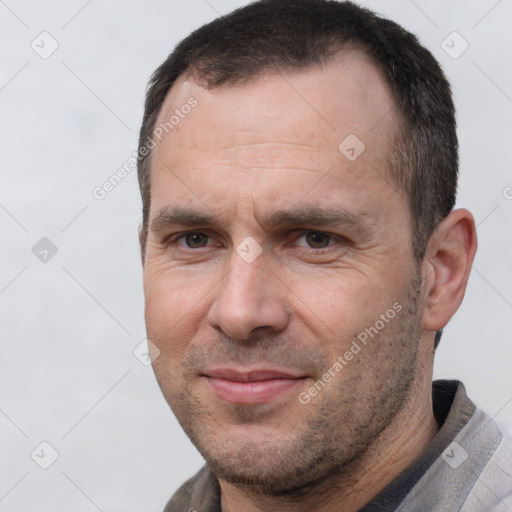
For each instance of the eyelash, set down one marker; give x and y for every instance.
(182, 236)
(298, 234)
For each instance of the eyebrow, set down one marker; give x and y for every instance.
(183, 217)
(299, 215)
(313, 215)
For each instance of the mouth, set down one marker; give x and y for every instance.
(251, 387)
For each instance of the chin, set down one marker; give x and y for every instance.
(267, 462)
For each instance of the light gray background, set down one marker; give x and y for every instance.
(69, 326)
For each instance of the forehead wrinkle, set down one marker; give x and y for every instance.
(280, 145)
(263, 155)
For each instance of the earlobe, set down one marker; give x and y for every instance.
(447, 264)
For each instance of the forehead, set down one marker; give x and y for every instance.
(317, 106)
(280, 131)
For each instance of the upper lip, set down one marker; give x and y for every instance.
(255, 375)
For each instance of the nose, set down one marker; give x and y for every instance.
(249, 298)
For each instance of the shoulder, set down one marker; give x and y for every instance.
(474, 472)
(492, 486)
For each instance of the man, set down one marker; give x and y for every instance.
(298, 168)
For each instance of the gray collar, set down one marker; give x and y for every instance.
(452, 410)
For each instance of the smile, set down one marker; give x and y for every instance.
(255, 387)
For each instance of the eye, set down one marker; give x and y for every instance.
(315, 240)
(194, 240)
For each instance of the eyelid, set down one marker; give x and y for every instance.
(176, 237)
(182, 236)
(333, 236)
(216, 240)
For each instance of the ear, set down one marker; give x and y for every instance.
(446, 267)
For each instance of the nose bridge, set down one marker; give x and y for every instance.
(243, 280)
(248, 298)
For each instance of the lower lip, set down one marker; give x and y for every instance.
(252, 392)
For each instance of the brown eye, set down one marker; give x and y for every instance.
(196, 240)
(317, 240)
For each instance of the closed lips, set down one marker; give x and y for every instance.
(253, 387)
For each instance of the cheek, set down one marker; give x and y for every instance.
(175, 306)
(337, 306)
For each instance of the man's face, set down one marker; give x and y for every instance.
(271, 252)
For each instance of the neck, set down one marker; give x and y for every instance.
(394, 450)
